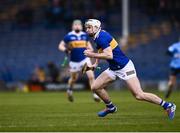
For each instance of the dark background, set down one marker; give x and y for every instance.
(30, 31)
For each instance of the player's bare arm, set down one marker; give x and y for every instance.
(62, 46)
(96, 63)
(106, 54)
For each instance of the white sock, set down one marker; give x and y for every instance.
(95, 95)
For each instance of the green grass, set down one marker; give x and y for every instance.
(49, 111)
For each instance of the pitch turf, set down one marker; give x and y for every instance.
(49, 111)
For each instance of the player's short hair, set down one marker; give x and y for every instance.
(77, 21)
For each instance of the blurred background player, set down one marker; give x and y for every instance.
(174, 52)
(120, 66)
(74, 43)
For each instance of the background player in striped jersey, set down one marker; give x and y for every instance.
(120, 66)
(74, 43)
(174, 52)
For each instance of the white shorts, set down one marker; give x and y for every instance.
(77, 66)
(125, 73)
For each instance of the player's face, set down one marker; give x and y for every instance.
(89, 30)
(77, 27)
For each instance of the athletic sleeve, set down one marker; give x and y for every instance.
(172, 48)
(66, 39)
(104, 40)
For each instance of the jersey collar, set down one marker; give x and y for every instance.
(97, 34)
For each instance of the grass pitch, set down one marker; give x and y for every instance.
(50, 111)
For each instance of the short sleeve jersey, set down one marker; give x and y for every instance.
(104, 40)
(78, 43)
(174, 49)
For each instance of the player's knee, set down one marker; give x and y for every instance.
(73, 79)
(173, 82)
(170, 84)
(94, 87)
(139, 96)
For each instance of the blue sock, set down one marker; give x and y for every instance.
(109, 104)
(70, 89)
(164, 104)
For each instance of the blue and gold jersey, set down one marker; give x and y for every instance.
(78, 43)
(175, 52)
(104, 40)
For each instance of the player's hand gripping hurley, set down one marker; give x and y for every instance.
(87, 68)
(65, 60)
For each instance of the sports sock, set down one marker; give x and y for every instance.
(164, 104)
(95, 95)
(69, 89)
(109, 104)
